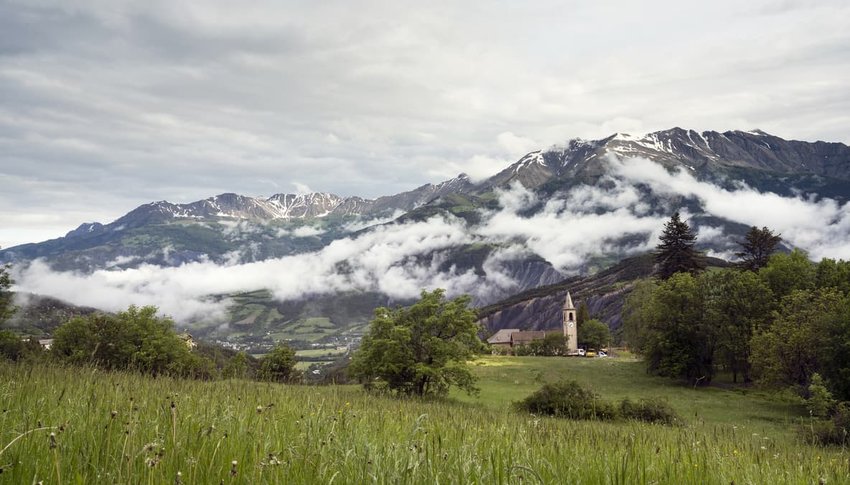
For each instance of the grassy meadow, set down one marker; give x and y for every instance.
(125, 428)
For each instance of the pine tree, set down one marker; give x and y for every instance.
(676, 253)
(757, 247)
(582, 315)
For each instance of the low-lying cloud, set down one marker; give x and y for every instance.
(821, 227)
(399, 260)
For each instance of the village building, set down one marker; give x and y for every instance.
(508, 338)
(187, 338)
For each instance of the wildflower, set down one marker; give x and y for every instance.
(233, 468)
(178, 480)
(53, 441)
(114, 413)
(259, 410)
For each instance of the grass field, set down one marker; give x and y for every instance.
(504, 380)
(124, 428)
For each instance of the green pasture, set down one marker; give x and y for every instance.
(129, 429)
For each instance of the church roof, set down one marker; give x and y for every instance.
(522, 338)
(503, 336)
(568, 302)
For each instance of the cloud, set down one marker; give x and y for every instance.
(386, 260)
(400, 259)
(307, 231)
(516, 146)
(821, 226)
(114, 104)
(302, 189)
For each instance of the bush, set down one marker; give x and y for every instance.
(15, 349)
(649, 410)
(279, 365)
(136, 339)
(820, 401)
(567, 399)
(835, 431)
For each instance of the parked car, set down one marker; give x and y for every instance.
(602, 353)
(581, 352)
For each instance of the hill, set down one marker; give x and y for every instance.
(604, 293)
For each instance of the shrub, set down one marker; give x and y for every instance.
(279, 365)
(13, 348)
(567, 399)
(649, 410)
(835, 431)
(820, 402)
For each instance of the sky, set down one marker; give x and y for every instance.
(109, 104)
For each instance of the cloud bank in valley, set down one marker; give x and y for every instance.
(400, 260)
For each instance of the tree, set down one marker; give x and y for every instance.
(582, 315)
(807, 328)
(830, 273)
(279, 365)
(135, 339)
(594, 334)
(785, 273)
(12, 347)
(681, 338)
(553, 344)
(741, 304)
(675, 253)
(757, 247)
(6, 306)
(639, 312)
(420, 350)
(236, 367)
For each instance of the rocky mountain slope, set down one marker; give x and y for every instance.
(604, 294)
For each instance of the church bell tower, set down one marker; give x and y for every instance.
(570, 325)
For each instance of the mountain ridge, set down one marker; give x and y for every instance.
(233, 229)
(703, 153)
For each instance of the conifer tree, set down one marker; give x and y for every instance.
(582, 315)
(676, 253)
(757, 247)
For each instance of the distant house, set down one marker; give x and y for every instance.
(509, 338)
(45, 343)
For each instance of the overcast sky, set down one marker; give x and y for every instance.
(109, 104)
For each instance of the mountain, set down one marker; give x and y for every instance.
(761, 160)
(497, 251)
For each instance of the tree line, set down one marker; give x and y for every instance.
(778, 318)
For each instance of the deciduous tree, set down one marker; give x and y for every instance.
(594, 334)
(279, 365)
(420, 350)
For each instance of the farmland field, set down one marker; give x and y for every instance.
(125, 428)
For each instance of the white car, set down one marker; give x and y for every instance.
(581, 352)
(602, 353)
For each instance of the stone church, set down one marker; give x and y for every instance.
(512, 337)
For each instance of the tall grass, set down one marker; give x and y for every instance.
(125, 428)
